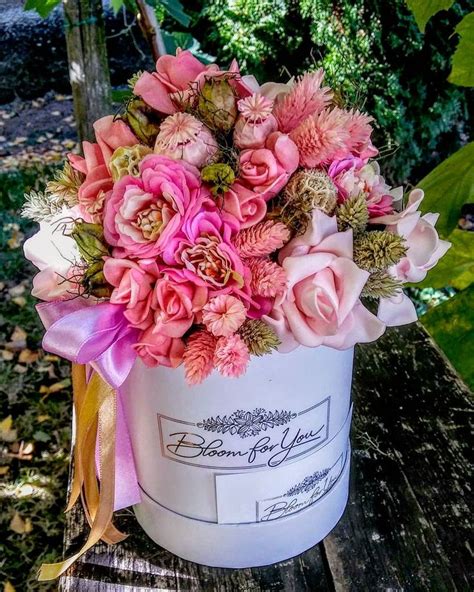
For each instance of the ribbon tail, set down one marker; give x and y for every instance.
(101, 515)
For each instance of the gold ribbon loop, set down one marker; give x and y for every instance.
(95, 409)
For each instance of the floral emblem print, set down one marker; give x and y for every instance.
(308, 483)
(246, 423)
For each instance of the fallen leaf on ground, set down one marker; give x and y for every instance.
(19, 369)
(4, 471)
(17, 290)
(7, 356)
(54, 388)
(17, 340)
(19, 525)
(22, 451)
(7, 432)
(8, 587)
(28, 357)
(42, 418)
(19, 301)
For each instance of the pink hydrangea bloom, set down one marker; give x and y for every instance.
(223, 315)
(231, 356)
(267, 170)
(321, 305)
(143, 214)
(353, 176)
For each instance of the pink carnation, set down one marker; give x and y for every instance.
(223, 315)
(231, 356)
(143, 214)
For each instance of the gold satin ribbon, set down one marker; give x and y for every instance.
(95, 409)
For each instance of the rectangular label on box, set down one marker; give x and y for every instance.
(279, 492)
(246, 439)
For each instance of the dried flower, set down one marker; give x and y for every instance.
(268, 278)
(125, 161)
(93, 281)
(381, 285)
(143, 121)
(256, 108)
(184, 137)
(321, 136)
(261, 239)
(41, 206)
(220, 177)
(198, 356)
(377, 250)
(258, 337)
(304, 99)
(231, 356)
(223, 315)
(353, 213)
(65, 185)
(90, 241)
(217, 104)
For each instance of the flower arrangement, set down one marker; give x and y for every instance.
(215, 219)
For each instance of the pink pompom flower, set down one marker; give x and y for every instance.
(231, 356)
(223, 315)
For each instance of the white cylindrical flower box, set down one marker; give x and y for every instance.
(243, 472)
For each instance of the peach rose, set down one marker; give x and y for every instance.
(156, 349)
(321, 305)
(267, 170)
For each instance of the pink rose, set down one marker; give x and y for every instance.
(133, 286)
(97, 183)
(267, 170)
(353, 176)
(156, 349)
(111, 134)
(176, 300)
(247, 206)
(321, 305)
(142, 214)
(425, 248)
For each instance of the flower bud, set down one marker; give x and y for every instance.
(142, 120)
(217, 104)
(90, 241)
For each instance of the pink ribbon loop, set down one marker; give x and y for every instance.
(98, 334)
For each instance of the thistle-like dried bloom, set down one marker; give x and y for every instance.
(223, 315)
(268, 278)
(261, 239)
(353, 213)
(321, 136)
(231, 356)
(304, 99)
(125, 161)
(309, 189)
(65, 185)
(256, 108)
(378, 249)
(381, 285)
(258, 337)
(198, 357)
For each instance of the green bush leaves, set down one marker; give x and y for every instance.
(423, 10)
(462, 72)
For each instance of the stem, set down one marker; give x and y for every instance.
(151, 29)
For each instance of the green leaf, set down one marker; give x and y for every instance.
(462, 72)
(423, 10)
(448, 187)
(117, 5)
(456, 268)
(185, 41)
(452, 326)
(42, 7)
(175, 9)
